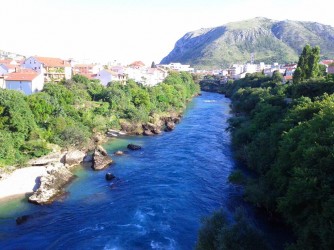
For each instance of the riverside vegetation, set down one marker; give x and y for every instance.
(285, 134)
(69, 113)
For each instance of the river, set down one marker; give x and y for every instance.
(157, 201)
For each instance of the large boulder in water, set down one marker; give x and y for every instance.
(101, 159)
(51, 184)
(133, 147)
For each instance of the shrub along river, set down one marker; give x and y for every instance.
(157, 201)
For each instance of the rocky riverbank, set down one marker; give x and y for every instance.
(157, 124)
(44, 178)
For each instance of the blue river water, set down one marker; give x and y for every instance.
(157, 201)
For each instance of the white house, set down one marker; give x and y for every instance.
(250, 68)
(85, 69)
(26, 81)
(136, 74)
(236, 70)
(105, 76)
(154, 76)
(178, 67)
(53, 69)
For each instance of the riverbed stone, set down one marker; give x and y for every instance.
(133, 147)
(110, 176)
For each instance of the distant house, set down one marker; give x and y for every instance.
(87, 69)
(8, 61)
(330, 69)
(137, 65)
(53, 69)
(154, 76)
(326, 62)
(8, 68)
(287, 78)
(105, 76)
(177, 67)
(26, 81)
(117, 69)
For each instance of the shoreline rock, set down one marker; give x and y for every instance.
(74, 157)
(157, 123)
(101, 159)
(51, 184)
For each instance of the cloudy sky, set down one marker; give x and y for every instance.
(128, 30)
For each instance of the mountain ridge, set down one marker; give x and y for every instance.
(269, 40)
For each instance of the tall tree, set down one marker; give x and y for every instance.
(153, 65)
(308, 64)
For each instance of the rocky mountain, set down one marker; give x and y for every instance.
(268, 40)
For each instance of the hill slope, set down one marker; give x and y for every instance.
(269, 40)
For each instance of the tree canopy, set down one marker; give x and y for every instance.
(308, 64)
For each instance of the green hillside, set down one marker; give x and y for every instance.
(270, 41)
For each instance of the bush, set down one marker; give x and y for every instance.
(218, 233)
(237, 177)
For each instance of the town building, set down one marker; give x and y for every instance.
(106, 76)
(177, 67)
(87, 69)
(330, 69)
(53, 69)
(26, 81)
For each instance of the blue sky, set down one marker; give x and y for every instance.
(128, 30)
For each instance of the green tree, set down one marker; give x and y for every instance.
(217, 233)
(277, 76)
(153, 65)
(308, 64)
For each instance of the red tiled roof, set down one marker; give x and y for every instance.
(288, 77)
(137, 64)
(24, 75)
(327, 62)
(6, 61)
(290, 65)
(52, 62)
(10, 66)
(83, 66)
